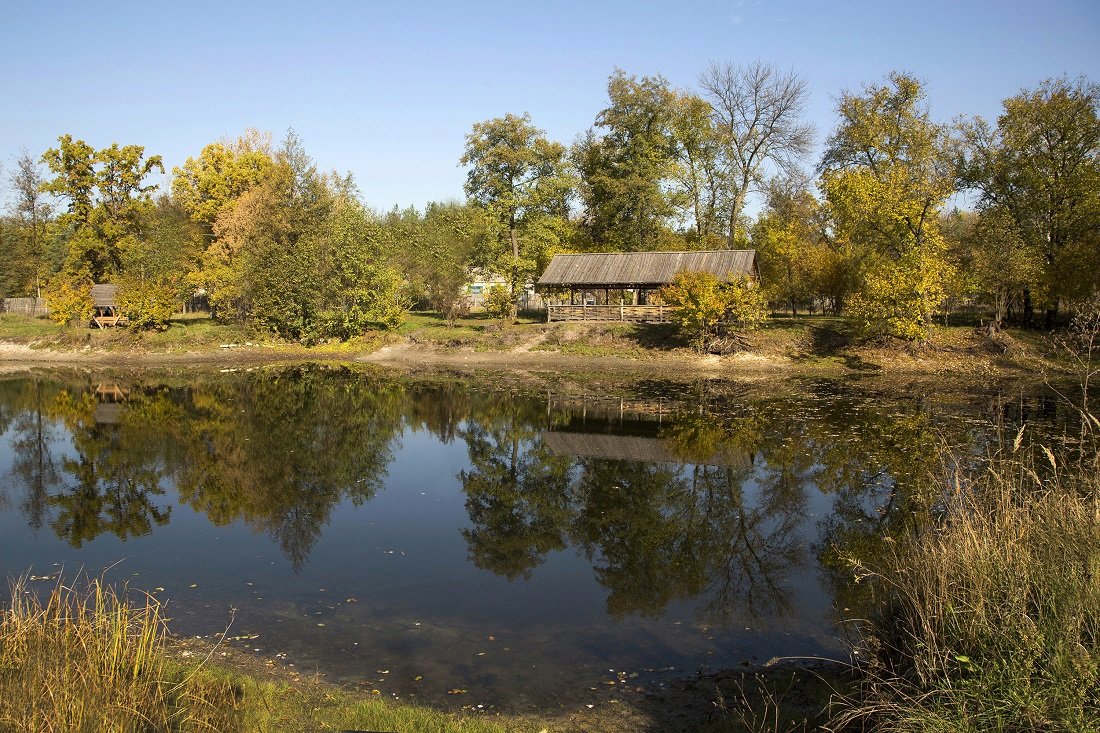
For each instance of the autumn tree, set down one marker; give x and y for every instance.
(209, 185)
(1040, 165)
(886, 173)
(703, 303)
(520, 179)
(796, 263)
(757, 111)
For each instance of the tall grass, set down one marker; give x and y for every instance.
(990, 617)
(93, 660)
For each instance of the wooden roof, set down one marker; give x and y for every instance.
(644, 269)
(105, 295)
(636, 448)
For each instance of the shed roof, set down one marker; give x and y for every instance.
(638, 448)
(644, 269)
(105, 295)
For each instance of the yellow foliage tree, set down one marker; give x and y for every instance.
(69, 297)
(886, 174)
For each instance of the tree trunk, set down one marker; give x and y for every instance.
(515, 269)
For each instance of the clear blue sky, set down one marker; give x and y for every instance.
(387, 90)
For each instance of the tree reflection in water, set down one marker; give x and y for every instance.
(705, 498)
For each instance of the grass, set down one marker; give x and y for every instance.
(23, 329)
(94, 660)
(991, 615)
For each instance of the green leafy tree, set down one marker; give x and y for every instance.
(152, 285)
(701, 192)
(626, 168)
(1041, 166)
(1005, 267)
(29, 264)
(108, 200)
(518, 177)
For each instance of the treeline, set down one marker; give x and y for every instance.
(867, 231)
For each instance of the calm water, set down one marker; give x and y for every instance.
(427, 535)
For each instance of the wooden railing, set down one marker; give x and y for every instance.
(650, 313)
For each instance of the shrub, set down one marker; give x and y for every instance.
(69, 297)
(148, 303)
(703, 304)
(498, 303)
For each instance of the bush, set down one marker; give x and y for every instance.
(148, 303)
(69, 297)
(703, 304)
(498, 303)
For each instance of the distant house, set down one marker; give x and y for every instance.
(106, 313)
(627, 281)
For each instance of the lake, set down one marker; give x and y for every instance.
(490, 540)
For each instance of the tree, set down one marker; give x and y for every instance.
(886, 173)
(151, 286)
(107, 199)
(209, 185)
(702, 186)
(438, 251)
(300, 256)
(757, 110)
(1041, 166)
(1005, 267)
(518, 177)
(625, 172)
(791, 244)
(33, 213)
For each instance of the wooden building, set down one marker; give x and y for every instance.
(620, 286)
(107, 313)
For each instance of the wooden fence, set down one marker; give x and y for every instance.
(26, 306)
(650, 313)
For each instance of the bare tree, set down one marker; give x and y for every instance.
(31, 208)
(758, 112)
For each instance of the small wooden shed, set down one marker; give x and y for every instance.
(106, 313)
(637, 273)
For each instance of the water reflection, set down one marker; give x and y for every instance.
(735, 503)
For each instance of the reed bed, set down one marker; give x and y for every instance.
(989, 617)
(92, 659)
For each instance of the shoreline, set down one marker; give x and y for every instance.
(930, 362)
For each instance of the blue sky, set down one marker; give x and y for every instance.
(388, 90)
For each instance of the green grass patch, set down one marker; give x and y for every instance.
(23, 329)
